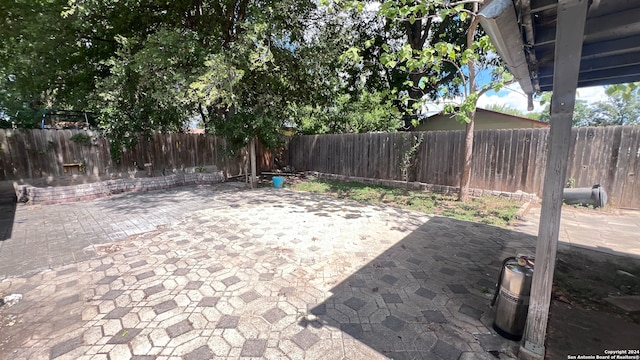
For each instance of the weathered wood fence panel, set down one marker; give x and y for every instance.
(26, 154)
(504, 160)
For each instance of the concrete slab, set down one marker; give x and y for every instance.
(627, 303)
(613, 231)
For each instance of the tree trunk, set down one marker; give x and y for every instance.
(417, 33)
(465, 179)
(252, 149)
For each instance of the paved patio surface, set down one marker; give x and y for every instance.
(214, 272)
(613, 231)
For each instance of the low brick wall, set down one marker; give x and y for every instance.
(442, 189)
(61, 194)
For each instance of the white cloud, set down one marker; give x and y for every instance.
(514, 97)
(510, 97)
(592, 94)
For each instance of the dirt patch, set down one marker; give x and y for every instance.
(581, 321)
(586, 278)
(574, 330)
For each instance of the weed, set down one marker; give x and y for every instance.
(82, 139)
(571, 182)
(488, 210)
(407, 167)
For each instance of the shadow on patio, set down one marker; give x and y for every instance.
(428, 296)
(7, 210)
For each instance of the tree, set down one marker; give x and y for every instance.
(627, 90)
(238, 64)
(469, 52)
(389, 45)
(42, 65)
(144, 65)
(618, 109)
(582, 112)
(349, 114)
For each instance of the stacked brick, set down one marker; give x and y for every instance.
(61, 194)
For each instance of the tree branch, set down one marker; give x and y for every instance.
(425, 34)
(464, 78)
(475, 20)
(484, 90)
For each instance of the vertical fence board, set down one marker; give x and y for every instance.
(437, 160)
(39, 153)
(4, 155)
(538, 160)
(506, 160)
(523, 142)
(630, 192)
(482, 147)
(614, 184)
(456, 144)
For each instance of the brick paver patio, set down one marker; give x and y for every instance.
(214, 272)
(199, 272)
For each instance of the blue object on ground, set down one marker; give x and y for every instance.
(278, 181)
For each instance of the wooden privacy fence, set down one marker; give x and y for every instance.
(26, 154)
(503, 160)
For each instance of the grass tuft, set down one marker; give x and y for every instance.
(491, 210)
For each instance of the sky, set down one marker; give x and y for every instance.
(514, 97)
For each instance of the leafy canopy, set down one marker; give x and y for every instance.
(145, 65)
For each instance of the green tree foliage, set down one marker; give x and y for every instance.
(395, 46)
(443, 54)
(236, 63)
(620, 108)
(582, 111)
(145, 65)
(41, 61)
(627, 91)
(366, 113)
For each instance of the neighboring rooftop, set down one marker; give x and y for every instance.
(484, 120)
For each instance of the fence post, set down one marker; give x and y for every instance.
(252, 148)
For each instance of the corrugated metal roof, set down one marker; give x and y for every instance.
(611, 45)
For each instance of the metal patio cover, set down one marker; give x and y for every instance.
(560, 45)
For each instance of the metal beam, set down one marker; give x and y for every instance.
(626, 63)
(599, 75)
(611, 47)
(571, 22)
(542, 5)
(498, 20)
(600, 28)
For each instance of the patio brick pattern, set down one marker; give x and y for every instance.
(266, 273)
